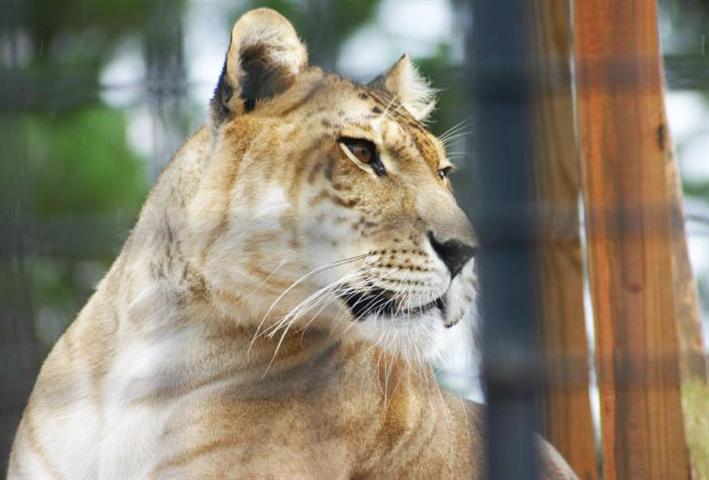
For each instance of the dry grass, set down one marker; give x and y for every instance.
(695, 398)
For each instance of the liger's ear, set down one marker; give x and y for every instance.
(264, 57)
(410, 88)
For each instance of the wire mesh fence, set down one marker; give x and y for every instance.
(95, 100)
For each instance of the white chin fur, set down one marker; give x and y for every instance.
(426, 337)
(417, 338)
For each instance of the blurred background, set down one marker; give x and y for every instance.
(95, 97)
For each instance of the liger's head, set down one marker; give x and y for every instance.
(326, 203)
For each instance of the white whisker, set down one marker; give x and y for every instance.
(298, 282)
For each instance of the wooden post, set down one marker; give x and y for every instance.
(623, 144)
(565, 407)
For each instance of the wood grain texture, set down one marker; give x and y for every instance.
(565, 407)
(622, 133)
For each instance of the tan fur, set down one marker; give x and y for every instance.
(181, 364)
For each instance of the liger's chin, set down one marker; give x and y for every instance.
(417, 337)
(428, 332)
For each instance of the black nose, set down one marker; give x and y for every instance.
(454, 253)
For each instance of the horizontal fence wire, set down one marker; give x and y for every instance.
(61, 89)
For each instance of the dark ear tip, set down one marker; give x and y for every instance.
(222, 95)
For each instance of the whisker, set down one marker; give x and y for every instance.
(310, 301)
(448, 141)
(290, 319)
(391, 104)
(455, 129)
(298, 282)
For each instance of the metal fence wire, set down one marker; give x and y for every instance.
(79, 149)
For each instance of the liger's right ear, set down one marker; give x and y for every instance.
(264, 57)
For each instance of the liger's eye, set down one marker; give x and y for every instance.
(444, 172)
(365, 151)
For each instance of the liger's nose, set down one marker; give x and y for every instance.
(454, 253)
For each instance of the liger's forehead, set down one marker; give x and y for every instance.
(323, 92)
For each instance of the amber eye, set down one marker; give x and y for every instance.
(366, 152)
(444, 172)
(363, 149)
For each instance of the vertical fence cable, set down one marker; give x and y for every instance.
(501, 104)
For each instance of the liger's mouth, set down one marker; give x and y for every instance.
(378, 301)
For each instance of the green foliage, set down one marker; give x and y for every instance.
(84, 27)
(698, 189)
(81, 163)
(73, 172)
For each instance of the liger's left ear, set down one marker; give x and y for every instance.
(265, 55)
(410, 88)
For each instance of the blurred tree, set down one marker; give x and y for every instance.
(70, 186)
(687, 62)
(82, 154)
